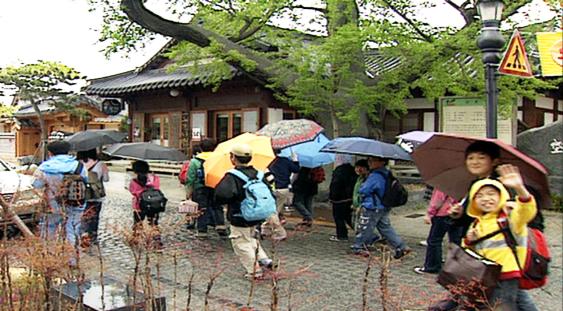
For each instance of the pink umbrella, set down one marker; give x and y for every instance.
(441, 162)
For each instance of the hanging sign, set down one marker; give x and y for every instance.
(515, 60)
(550, 46)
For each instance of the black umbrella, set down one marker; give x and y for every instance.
(91, 139)
(145, 151)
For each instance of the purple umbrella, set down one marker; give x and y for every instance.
(410, 140)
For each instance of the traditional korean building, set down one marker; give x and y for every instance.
(178, 108)
(27, 129)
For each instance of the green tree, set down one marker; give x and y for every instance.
(321, 68)
(41, 81)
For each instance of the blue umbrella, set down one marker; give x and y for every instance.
(366, 147)
(308, 152)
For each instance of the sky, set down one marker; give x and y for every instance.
(65, 31)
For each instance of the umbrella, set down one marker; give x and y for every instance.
(309, 154)
(411, 140)
(287, 133)
(145, 151)
(91, 139)
(366, 147)
(441, 162)
(219, 162)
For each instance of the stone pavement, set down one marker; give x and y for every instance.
(318, 274)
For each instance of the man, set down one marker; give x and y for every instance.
(230, 191)
(282, 168)
(374, 214)
(49, 175)
(203, 195)
(340, 196)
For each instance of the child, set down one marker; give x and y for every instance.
(437, 215)
(137, 185)
(488, 197)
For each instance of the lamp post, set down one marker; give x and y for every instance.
(491, 41)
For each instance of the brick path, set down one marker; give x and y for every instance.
(333, 280)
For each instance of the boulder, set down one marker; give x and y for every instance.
(545, 144)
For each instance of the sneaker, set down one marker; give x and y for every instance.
(258, 276)
(400, 253)
(422, 270)
(266, 263)
(423, 243)
(222, 232)
(334, 238)
(361, 252)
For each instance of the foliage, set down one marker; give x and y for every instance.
(324, 50)
(6, 111)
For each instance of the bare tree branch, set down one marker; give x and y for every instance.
(191, 32)
(409, 21)
(462, 10)
(310, 8)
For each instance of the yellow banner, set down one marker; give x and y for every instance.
(550, 46)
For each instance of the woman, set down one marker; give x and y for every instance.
(98, 173)
(143, 180)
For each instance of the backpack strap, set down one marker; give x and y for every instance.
(77, 170)
(92, 167)
(239, 174)
(502, 221)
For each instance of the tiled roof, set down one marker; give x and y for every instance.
(132, 81)
(26, 109)
(376, 63)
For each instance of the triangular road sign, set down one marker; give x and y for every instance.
(515, 60)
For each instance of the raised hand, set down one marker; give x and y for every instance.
(510, 176)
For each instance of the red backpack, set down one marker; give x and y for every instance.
(317, 175)
(183, 176)
(536, 266)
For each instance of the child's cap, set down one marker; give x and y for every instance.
(473, 210)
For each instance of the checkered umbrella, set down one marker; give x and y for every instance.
(287, 133)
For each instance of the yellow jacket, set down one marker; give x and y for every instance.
(496, 248)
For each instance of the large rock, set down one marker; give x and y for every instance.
(545, 144)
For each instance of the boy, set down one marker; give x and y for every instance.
(488, 197)
(230, 191)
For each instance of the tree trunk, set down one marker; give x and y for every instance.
(202, 37)
(44, 136)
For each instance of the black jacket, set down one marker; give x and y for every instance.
(342, 183)
(303, 183)
(230, 191)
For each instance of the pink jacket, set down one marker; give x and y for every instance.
(440, 204)
(136, 189)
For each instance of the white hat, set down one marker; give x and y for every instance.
(242, 150)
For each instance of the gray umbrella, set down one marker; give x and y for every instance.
(145, 151)
(91, 139)
(366, 147)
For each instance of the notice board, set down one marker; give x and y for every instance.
(467, 116)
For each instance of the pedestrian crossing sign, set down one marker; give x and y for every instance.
(515, 60)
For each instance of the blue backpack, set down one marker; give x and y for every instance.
(259, 202)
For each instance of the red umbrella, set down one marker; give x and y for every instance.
(441, 162)
(287, 133)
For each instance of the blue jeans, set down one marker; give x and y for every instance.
(53, 223)
(369, 221)
(440, 226)
(303, 203)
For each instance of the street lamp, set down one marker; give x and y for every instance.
(491, 41)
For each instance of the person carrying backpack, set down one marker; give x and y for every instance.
(204, 196)
(97, 174)
(374, 214)
(142, 182)
(63, 212)
(231, 191)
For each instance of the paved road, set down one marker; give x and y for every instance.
(318, 274)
